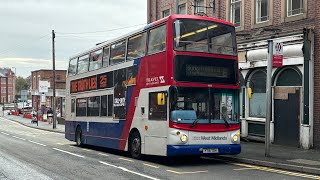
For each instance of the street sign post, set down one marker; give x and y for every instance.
(277, 55)
(268, 90)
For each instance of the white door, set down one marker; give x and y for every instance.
(157, 123)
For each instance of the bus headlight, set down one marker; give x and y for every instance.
(184, 138)
(235, 138)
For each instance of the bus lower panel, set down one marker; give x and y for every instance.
(100, 134)
(184, 150)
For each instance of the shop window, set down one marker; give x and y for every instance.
(156, 111)
(289, 77)
(257, 103)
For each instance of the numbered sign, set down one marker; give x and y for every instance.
(277, 57)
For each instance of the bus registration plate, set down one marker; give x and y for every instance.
(208, 151)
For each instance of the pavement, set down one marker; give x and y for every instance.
(60, 128)
(281, 157)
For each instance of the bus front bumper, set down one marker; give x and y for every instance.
(218, 149)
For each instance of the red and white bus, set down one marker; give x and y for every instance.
(168, 89)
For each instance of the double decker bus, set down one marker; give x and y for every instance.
(168, 89)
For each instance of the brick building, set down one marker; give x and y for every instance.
(47, 75)
(296, 96)
(7, 85)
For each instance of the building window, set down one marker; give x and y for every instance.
(166, 13)
(262, 11)
(294, 7)
(235, 12)
(199, 6)
(182, 8)
(257, 104)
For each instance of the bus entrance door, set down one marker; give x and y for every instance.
(157, 124)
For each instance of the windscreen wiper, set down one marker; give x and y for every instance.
(226, 122)
(194, 122)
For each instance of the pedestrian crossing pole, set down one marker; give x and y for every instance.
(54, 82)
(268, 90)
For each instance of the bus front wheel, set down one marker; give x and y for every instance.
(79, 137)
(135, 145)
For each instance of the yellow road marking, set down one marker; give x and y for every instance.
(151, 165)
(248, 167)
(194, 172)
(126, 159)
(241, 169)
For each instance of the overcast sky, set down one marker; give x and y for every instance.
(26, 25)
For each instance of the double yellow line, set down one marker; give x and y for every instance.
(248, 167)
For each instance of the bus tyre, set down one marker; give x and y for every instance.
(79, 137)
(135, 145)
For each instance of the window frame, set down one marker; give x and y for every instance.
(185, 6)
(258, 10)
(197, 7)
(150, 117)
(108, 60)
(149, 35)
(164, 11)
(86, 112)
(76, 68)
(291, 10)
(125, 51)
(231, 13)
(145, 44)
(90, 59)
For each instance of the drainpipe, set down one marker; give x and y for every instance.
(306, 77)
(177, 6)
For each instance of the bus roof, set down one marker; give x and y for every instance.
(148, 26)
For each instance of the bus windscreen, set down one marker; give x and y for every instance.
(204, 36)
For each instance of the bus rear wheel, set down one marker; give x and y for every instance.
(135, 145)
(79, 137)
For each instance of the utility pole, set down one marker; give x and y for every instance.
(54, 82)
(268, 111)
(177, 6)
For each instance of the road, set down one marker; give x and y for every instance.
(27, 153)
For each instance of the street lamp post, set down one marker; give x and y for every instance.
(54, 82)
